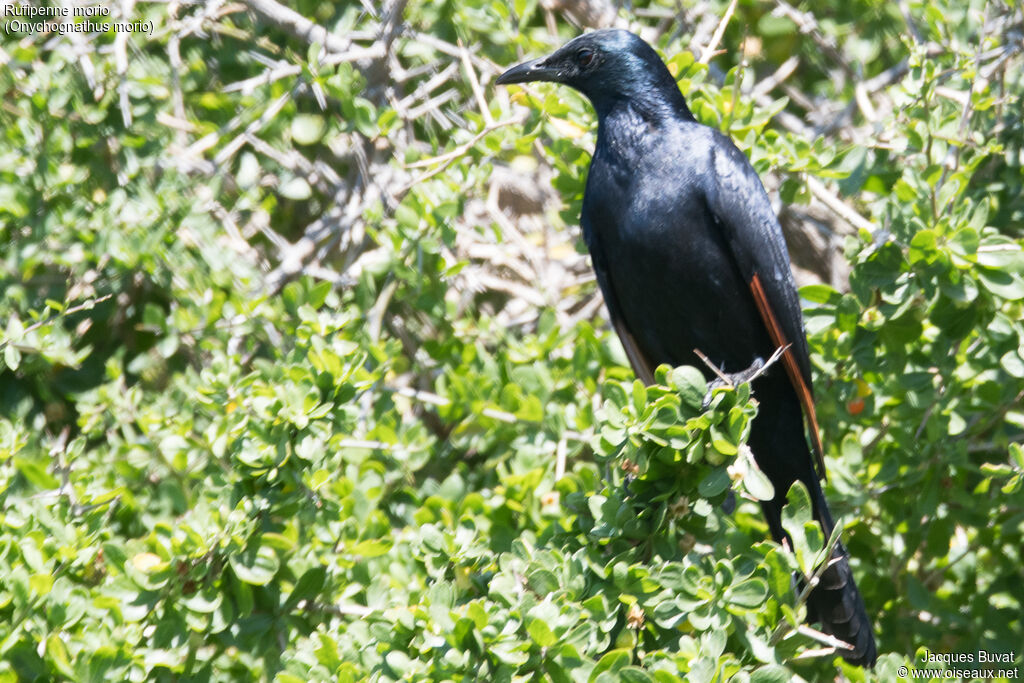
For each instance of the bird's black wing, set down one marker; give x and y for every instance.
(742, 210)
(642, 366)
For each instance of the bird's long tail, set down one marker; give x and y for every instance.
(781, 451)
(836, 604)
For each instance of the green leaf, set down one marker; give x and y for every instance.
(1002, 283)
(714, 483)
(1013, 363)
(798, 508)
(36, 473)
(820, 294)
(750, 593)
(308, 129)
(771, 674)
(371, 548)
(1001, 253)
(257, 565)
(307, 587)
(510, 653)
(206, 600)
(723, 443)
(399, 662)
(779, 572)
(296, 188)
(804, 532)
(755, 481)
(702, 670)
(57, 654)
(543, 581)
(1017, 454)
(540, 633)
(690, 384)
(712, 644)
(612, 662)
(639, 396)
(923, 247)
(12, 356)
(634, 674)
(41, 584)
(318, 294)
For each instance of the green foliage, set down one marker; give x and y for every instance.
(929, 339)
(371, 469)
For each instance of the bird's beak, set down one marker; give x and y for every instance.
(534, 70)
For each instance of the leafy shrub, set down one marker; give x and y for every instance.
(284, 396)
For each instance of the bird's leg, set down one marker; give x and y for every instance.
(747, 375)
(725, 379)
(756, 369)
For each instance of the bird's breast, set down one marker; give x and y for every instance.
(669, 265)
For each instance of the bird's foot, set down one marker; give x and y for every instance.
(732, 379)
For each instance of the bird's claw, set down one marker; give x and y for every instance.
(732, 379)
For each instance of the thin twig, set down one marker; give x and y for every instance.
(474, 84)
(837, 205)
(708, 52)
(446, 160)
(784, 71)
(249, 85)
(365, 443)
(825, 638)
(85, 305)
(707, 361)
(776, 355)
(807, 23)
(560, 459)
(121, 65)
(297, 25)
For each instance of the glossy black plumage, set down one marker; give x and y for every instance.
(689, 255)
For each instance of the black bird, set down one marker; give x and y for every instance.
(689, 255)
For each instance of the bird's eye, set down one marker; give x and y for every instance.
(585, 57)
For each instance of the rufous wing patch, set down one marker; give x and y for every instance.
(803, 391)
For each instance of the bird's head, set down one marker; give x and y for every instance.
(607, 66)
